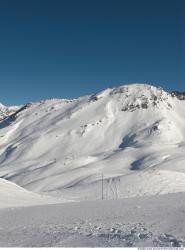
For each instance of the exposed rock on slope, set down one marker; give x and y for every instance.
(179, 95)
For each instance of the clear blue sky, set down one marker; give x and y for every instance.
(68, 48)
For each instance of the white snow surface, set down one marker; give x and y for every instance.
(156, 221)
(132, 136)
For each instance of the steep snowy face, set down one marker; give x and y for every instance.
(153, 103)
(64, 146)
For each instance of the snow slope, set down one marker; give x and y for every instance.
(132, 136)
(12, 195)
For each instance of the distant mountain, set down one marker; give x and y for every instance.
(130, 139)
(6, 111)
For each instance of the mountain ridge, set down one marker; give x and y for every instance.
(175, 93)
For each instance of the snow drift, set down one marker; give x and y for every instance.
(11, 195)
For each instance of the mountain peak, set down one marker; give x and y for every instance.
(135, 96)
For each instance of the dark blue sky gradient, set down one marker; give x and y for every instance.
(68, 48)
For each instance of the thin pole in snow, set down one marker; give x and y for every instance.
(102, 186)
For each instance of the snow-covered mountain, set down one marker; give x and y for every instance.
(6, 111)
(128, 139)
